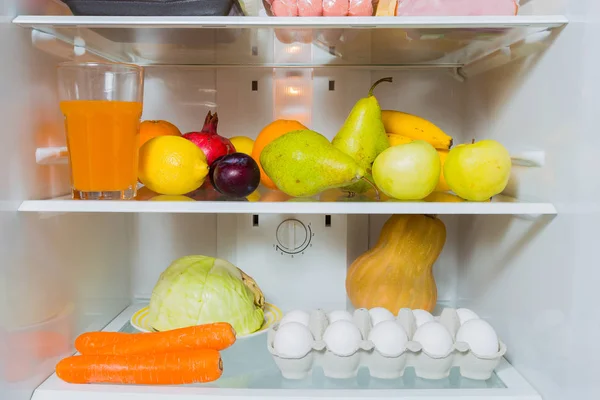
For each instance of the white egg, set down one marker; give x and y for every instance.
(380, 314)
(339, 315)
(293, 340)
(434, 338)
(464, 315)
(342, 338)
(480, 336)
(299, 316)
(389, 338)
(422, 316)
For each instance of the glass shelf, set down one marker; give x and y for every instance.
(274, 202)
(251, 373)
(246, 354)
(380, 42)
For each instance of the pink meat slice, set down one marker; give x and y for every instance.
(285, 8)
(310, 8)
(456, 7)
(335, 8)
(360, 8)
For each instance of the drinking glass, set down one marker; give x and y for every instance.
(102, 105)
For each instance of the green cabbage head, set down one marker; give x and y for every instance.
(196, 290)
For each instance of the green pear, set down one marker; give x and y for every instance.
(304, 163)
(478, 171)
(363, 135)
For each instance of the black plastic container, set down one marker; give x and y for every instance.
(150, 8)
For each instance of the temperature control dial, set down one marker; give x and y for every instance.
(293, 236)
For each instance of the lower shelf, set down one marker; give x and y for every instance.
(250, 373)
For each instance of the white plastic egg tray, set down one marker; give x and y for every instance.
(338, 362)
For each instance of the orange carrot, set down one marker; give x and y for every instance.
(90, 342)
(217, 336)
(204, 365)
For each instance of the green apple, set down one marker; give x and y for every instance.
(408, 171)
(477, 171)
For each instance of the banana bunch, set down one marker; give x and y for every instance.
(416, 128)
(403, 128)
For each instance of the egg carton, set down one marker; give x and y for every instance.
(380, 365)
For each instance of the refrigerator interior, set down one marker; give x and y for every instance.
(528, 271)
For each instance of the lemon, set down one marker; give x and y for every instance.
(254, 196)
(242, 144)
(172, 165)
(170, 197)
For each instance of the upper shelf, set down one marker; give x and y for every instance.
(500, 205)
(484, 22)
(450, 42)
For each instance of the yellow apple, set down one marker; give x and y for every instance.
(407, 171)
(477, 171)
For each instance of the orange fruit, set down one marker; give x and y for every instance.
(274, 196)
(442, 185)
(144, 193)
(152, 129)
(269, 133)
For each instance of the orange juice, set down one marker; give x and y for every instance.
(103, 141)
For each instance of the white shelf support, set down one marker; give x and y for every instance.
(52, 155)
(529, 158)
(51, 44)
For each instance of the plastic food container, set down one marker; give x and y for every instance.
(149, 8)
(319, 8)
(384, 366)
(446, 8)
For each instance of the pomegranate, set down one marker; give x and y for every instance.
(210, 142)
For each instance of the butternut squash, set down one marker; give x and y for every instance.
(397, 272)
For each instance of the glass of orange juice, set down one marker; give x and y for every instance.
(102, 105)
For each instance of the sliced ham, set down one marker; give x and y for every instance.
(335, 8)
(310, 8)
(360, 8)
(456, 7)
(284, 8)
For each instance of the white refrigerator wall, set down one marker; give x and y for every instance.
(536, 279)
(59, 274)
(185, 94)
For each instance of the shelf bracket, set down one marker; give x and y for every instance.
(78, 46)
(60, 47)
(458, 74)
(529, 158)
(533, 43)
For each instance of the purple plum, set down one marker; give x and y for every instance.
(236, 175)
